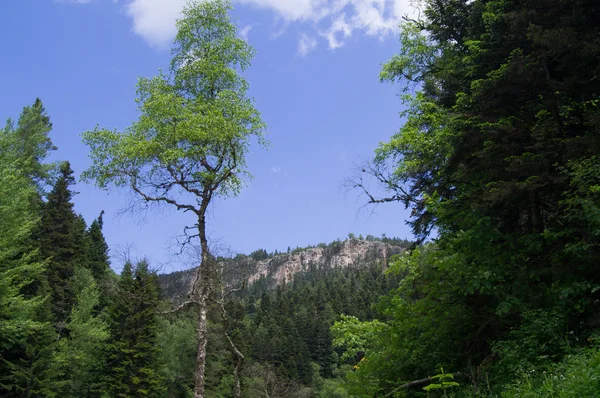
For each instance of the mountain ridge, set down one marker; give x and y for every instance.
(281, 268)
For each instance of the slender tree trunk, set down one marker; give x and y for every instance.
(237, 388)
(201, 291)
(202, 333)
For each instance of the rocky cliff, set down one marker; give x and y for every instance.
(281, 268)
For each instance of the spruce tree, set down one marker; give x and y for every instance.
(79, 358)
(32, 144)
(133, 352)
(97, 249)
(62, 242)
(26, 337)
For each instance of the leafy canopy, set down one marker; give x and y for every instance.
(196, 121)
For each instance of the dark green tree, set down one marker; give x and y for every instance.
(79, 361)
(62, 241)
(133, 368)
(26, 335)
(499, 155)
(97, 250)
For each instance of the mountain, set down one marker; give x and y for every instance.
(275, 269)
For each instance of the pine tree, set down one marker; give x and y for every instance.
(97, 249)
(133, 352)
(79, 357)
(62, 242)
(26, 336)
(32, 144)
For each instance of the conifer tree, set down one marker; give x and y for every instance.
(97, 249)
(26, 338)
(79, 357)
(62, 242)
(133, 352)
(32, 144)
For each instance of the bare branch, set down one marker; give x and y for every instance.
(419, 383)
(180, 307)
(380, 173)
(164, 199)
(230, 289)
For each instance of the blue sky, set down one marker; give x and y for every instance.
(314, 79)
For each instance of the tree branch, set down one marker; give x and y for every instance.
(180, 307)
(165, 199)
(419, 383)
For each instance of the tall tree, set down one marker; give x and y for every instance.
(133, 352)
(190, 142)
(498, 154)
(79, 358)
(62, 242)
(26, 335)
(33, 145)
(97, 249)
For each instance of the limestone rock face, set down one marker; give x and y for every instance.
(281, 268)
(351, 252)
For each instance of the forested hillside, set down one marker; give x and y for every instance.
(284, 332)
(271, 269)
(497, 159)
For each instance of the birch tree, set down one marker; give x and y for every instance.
(189, 145)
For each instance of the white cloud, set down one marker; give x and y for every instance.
(306, 44)
(335, 20)
(337, 28)
(154, 20)
(245, 31)
(276, 169)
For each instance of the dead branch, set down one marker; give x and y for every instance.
(419, 383)
(180, 307)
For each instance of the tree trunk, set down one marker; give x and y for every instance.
(200, 291)
(237, 388)
(202, 333)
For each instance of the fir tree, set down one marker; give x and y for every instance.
(32, 144)
(97, 249)
(79, 357)
(26, 336)
(133, 352)
(62, 242)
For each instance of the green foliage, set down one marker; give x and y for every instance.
(133, 352)
(97, 250)
(575, 376)
(31, 144)
(177, 341)
(62, 235)
(333, 388)
(352, 336)
(498, 154)
(26, 336)
(195, 123)
(443, 382)
(79, 358)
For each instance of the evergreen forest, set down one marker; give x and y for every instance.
(495, 294)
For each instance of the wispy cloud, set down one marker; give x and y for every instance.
(276, 169)
(306, 44)
(334, 20)
(245, 31)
